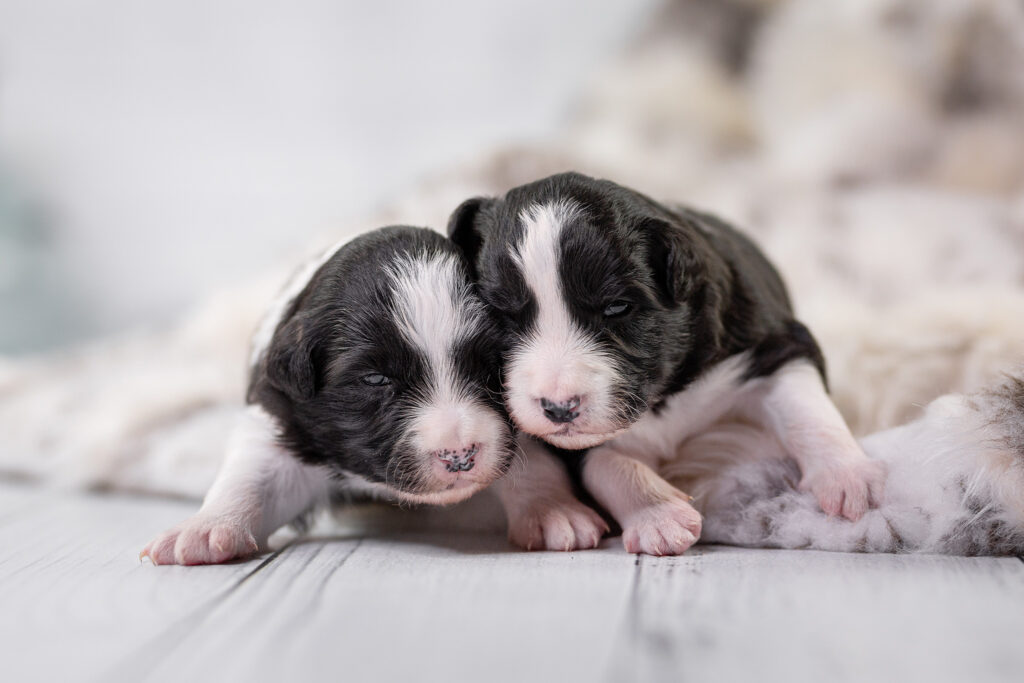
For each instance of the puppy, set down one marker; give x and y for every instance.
(634, 326)
(376, 371)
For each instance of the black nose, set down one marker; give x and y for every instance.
(561, 413)
(459, 460)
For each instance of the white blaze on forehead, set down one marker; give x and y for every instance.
(558, 360)
(538, 257)
(435, 312)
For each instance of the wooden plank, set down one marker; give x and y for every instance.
(727, 614)
(74, 598)
(419, 606)
(424, 604)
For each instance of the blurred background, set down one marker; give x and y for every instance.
(151, 152)
(163, 166)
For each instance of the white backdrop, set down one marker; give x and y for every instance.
(177, 146)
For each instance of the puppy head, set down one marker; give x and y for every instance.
(386, 367)
(599, 291)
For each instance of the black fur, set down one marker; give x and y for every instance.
(340, 329)
(700, 291)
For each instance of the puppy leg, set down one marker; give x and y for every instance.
(543, 513)
(798, 410)
(656, 517)
(260, 487)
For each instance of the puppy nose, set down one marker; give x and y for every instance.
(561, 412)
(458, 460)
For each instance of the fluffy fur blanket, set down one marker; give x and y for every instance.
(873, 147)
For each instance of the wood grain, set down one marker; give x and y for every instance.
(74, 597)
(425, 607)
(724, 614)
(395, 596)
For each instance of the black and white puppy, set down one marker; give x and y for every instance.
(376, 371)
(634, 327)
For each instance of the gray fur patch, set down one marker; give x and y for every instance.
(1004, 406)
(898, 544)
(983, 533)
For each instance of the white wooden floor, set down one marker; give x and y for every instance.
(422, 605)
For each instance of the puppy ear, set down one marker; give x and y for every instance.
(672, 260)
(291, 359)
(684, 270)
(466, 228)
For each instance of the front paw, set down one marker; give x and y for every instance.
(202, 540)
(666, 528)
(847, 489)
(556, 525)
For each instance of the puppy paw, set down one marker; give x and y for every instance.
(202, 540)
(556, 525)
(666, 528)
(847, 489)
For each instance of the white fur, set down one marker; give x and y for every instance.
(791, 404)
(542, 511)
(798, 411)
(655, 437)
(947, 471)
(557, 361)
(436, 311)
(259, 488)
(656, 517)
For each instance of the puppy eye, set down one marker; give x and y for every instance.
(617, 309)
(375, 379)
